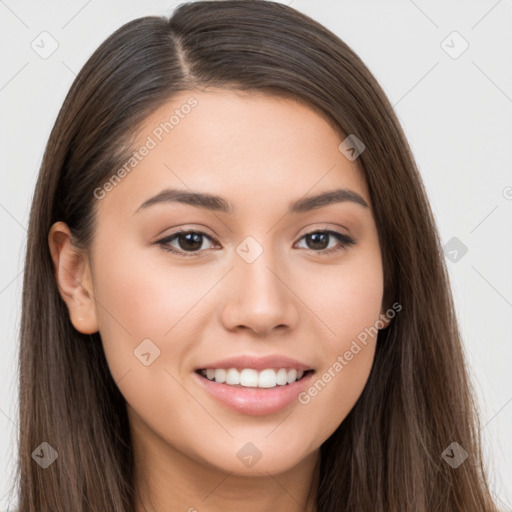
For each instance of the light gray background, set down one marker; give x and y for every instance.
(456, 113)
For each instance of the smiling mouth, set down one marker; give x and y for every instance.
(251, 378)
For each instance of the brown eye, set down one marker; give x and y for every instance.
(319, 241)
(187, 242)
(192, 241)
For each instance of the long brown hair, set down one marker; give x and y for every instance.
(387, 453)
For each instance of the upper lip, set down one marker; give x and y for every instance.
(256, 363)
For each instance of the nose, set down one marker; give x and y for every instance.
(259, 297)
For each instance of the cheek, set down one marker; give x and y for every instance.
(144, 288)
(347, 300)
(139, 300)
(347, 360)
(334, 390)
(146, 323)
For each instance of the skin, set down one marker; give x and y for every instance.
(259, 152)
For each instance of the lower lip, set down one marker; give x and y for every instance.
(255, 401)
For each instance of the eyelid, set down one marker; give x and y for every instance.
(313, 228)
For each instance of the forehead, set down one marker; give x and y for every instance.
(228, 142)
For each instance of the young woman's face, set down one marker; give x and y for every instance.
(266, 277)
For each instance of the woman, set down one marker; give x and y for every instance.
(235, 296)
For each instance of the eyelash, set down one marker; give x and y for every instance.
(345, 241)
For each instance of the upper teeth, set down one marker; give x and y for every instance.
(268, 378)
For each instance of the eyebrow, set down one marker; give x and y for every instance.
(219, 204)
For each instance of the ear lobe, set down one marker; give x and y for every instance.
(385, 320)
(74, 280)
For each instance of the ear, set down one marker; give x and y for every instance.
(73, 275)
